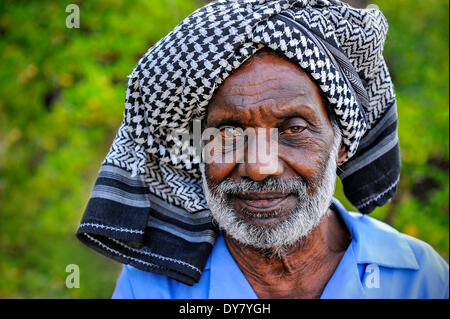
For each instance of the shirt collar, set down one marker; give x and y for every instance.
(376, 242)
(226, 278)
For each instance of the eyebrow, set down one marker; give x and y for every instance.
(307, 113)
(229, 120)
(304, 111)
(290, 114)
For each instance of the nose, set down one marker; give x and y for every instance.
(261, 159)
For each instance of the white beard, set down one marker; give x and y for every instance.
(300, 222)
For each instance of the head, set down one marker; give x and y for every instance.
(174, 81)
(272, 209)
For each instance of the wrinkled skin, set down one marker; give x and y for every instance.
(271, 92)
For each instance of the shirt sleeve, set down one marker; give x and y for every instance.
(123, 289)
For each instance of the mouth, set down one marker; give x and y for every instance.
(262, 202)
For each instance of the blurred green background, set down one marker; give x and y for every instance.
(61, 103)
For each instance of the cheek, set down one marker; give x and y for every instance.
(217, 172)
(217, 165)
(308, 162)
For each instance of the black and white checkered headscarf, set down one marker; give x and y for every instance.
(148, 208)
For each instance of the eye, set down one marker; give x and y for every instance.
(230, 132)
(294, 129)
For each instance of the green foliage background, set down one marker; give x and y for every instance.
(61, 102)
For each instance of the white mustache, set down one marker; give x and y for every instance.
(291, 185)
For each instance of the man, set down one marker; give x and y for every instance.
(308, 80)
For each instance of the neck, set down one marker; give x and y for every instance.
(299, 271)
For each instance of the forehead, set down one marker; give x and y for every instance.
(268, 83)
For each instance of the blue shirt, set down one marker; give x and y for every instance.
(380, 262)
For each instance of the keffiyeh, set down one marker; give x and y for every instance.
(148, 208)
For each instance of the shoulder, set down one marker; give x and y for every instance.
(433, 269)
(135, 283)
(426, 256)
(409, 261)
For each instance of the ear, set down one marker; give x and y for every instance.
(341, 155)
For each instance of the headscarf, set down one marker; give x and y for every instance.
(148, 208)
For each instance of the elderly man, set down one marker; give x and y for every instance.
(307, 79)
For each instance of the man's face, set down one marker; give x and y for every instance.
(276, 207)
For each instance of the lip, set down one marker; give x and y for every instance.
(260, 202)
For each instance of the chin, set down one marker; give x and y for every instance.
(265, 232)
